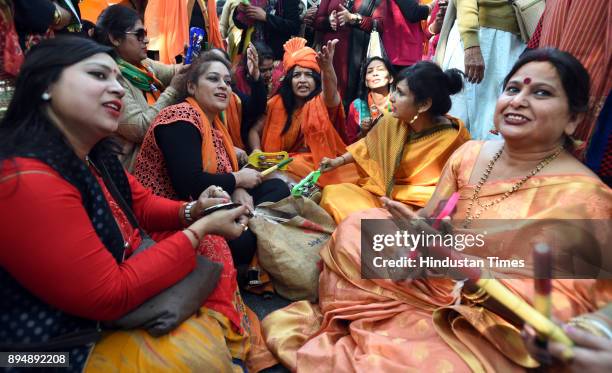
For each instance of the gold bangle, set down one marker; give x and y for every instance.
(475, 296)
(592, 326)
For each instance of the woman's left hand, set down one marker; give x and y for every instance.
(589, 354)
(325, 57)
(243, 197)
(253, 62)
(211, 196)
(242, 156)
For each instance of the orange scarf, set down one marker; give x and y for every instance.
(314, 125)
(209, 154)
(233, 120)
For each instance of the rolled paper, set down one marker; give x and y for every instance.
(276, 166)
(542, 324)
(542, 268)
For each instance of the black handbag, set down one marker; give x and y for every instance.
(167, 310)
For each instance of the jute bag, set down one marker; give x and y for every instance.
(290, 234)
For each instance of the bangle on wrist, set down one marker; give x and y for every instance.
(195, 234)
(189, 217)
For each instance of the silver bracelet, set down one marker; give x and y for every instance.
(188, 217)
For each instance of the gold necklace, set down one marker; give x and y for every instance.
(484, 206)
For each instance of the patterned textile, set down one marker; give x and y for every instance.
(151, 170)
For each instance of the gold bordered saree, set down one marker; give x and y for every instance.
(384, 326)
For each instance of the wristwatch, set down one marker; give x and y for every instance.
(357, 20)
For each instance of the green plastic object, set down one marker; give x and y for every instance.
(307, 183)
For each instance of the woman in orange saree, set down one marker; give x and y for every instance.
(304, 116)
(402, 156)
(424, 323)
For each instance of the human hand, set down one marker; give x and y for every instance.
(226, 223)
(589, 354)
(333, 20)
(344, 16)
(179, 79)
(253, 62)
(474, 65)
(211, 196)
(325, 57)
(243, 197)
(328, 164)
(256, 13)
(310, 15)
(241, 155)
(247, 178)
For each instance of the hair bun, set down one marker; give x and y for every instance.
(454, 79)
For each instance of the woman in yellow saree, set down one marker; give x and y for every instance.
(403, 155)
(426, 324)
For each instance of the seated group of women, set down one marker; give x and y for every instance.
(56, 139)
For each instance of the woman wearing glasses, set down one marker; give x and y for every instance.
(149, 85)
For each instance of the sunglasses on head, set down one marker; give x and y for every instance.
(141, 34)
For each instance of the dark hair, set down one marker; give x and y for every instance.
(574, 77)
(26, 125)
(114, 21)
(288, 97)
(426, 80)
(198, 67)
(363, 89)
(221, 52)
(263, 51)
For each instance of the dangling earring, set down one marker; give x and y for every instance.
(414, 118)
(46, 96)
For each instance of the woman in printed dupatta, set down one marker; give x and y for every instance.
(149, 85)
(374, 98)
(402, 156)
(423, 323)
(188, 148)
(303, 117)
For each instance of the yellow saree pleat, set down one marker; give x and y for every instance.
(204, 343)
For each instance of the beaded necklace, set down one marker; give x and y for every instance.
(484, 206)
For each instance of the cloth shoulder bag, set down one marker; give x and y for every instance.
(528, 14)
(167, 310)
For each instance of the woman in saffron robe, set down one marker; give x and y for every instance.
(303, 117)
(402, 156)
(380, 325)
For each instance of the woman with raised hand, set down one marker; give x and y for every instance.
(149, 85)
(188, 148)
(432, 323)
(59, 169)
(402, 157)
(303, 117)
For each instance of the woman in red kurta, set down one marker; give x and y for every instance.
(66, 244)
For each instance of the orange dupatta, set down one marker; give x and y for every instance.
(316, 127)
(209, 154)
(167, 24)
(233, 120)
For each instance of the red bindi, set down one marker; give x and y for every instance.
(527, 80)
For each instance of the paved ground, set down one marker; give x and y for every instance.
(263, 306)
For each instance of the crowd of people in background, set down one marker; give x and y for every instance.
(113, 151)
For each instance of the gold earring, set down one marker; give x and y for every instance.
(414, 118)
